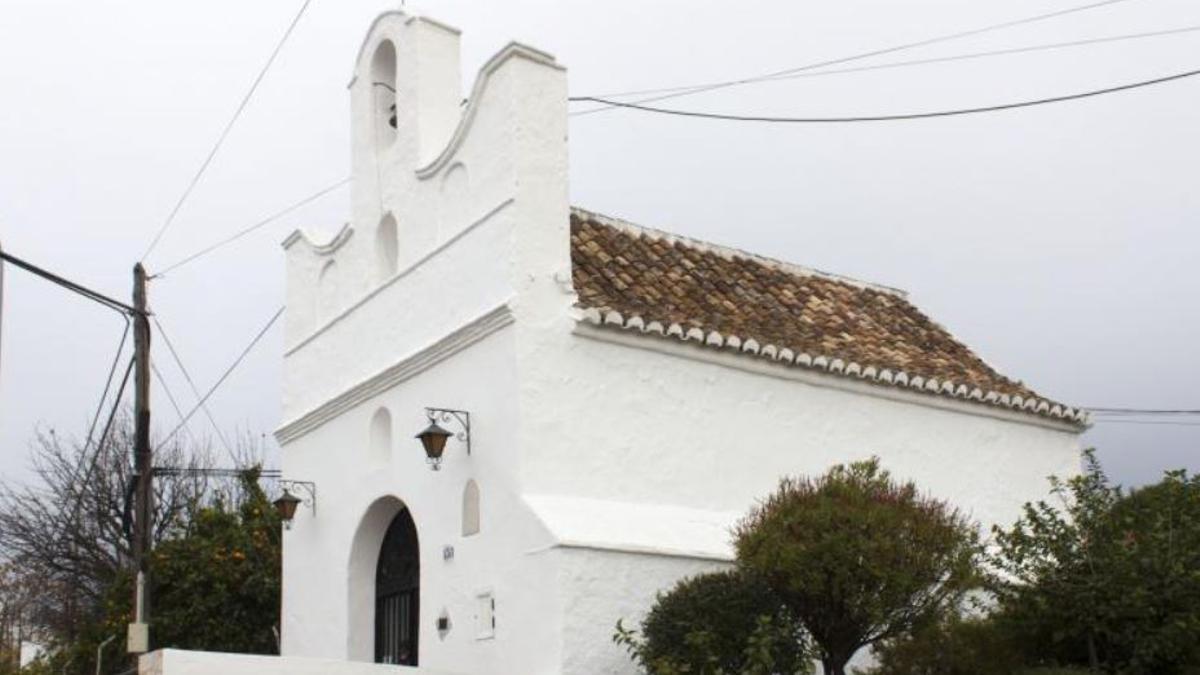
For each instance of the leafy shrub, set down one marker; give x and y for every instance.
(1110, 580)
(950, 646)
(723, 623)
(858, 557)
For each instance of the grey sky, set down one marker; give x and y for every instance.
(1059, 242)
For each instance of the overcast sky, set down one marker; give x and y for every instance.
(1060, 242)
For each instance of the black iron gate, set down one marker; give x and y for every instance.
(397, 594)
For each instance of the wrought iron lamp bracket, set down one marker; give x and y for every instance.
(305, 490)
(448, 415)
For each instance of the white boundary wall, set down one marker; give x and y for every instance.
(179, 662)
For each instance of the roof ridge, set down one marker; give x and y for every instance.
(731, 252)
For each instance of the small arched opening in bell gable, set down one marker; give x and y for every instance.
(383, 92)
(327, 291)
(387, 249)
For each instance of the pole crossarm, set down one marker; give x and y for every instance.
(219, 473)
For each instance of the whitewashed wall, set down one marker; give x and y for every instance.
(179, 662)
(609, 464)
(462, 185)
(632, 428)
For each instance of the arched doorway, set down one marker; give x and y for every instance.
(397, 593)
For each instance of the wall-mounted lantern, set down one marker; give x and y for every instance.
(287, 503)
(433, 438)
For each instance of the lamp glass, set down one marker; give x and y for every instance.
(433, 439)
(286, 505)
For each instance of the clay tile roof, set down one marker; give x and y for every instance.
(622, 272)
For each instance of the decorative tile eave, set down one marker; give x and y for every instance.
(831, 364)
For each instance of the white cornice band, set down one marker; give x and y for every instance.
(460, 339)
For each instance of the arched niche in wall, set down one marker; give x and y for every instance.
(455, 209)
(470, 509)
(380, 442)
(383, 92)
(387, 249)
(327, 292)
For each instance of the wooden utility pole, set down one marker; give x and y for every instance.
(139, 630)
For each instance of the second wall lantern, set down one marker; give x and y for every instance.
(433, 438)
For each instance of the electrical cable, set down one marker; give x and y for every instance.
(1148, 422)
(101, 441)
(896, 117)
(84, 291)
(1142, 411)
(112, 370)
(87, 444)
(195, 390)
(697, 89)
(1087, 42)
(260, 224)
(986, 54)
(224, 376)
(225, 132)
(170, 397)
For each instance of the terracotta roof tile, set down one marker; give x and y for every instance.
(618, 267)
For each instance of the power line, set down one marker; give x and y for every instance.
(87, 444)
(100, 442)
(84, 291)
(987, 54)
(713, 86)
(225, 132)
(112, 370)
(224, 376)
(1086, 42)
(1142, 411)
(1148, 422)
(195, 390)
(896, 117)
(163, 381)
(260, 224)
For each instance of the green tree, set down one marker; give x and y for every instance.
(1106, 579)
(725, 623)
(858, 557)
(217, 583)
(214, 570)
(952, 645)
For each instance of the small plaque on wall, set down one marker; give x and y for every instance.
(485, 616)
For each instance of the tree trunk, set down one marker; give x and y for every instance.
(834, 665)
(1093, 658)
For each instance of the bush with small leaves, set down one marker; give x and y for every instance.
(723, 623)
(858, 557)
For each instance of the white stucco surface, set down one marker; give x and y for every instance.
(608, 464)
(599, 524)
(180, 662)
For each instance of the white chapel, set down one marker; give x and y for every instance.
(612, 397)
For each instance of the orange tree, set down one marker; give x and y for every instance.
(215, 585)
